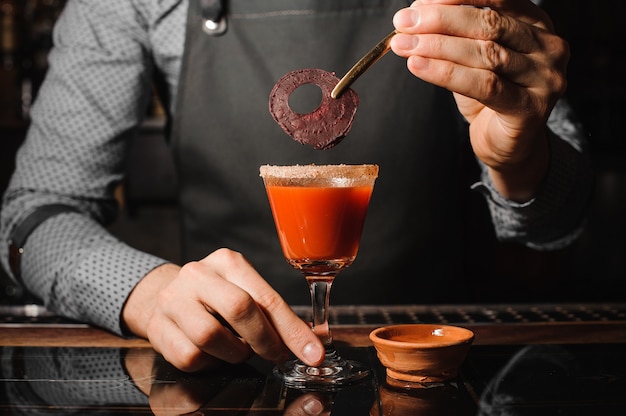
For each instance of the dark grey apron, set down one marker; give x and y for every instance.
(412, 243)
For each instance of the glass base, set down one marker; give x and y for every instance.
(333, 374)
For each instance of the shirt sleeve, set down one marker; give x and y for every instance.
(554, 218)
(88, 109)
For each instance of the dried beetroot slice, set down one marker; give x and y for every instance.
(328, 124)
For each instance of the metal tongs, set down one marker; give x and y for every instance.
(363, 65)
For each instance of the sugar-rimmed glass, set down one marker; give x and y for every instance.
(319, 212)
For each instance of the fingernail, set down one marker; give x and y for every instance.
(418, 63)
(312, 353)
(406, 42)
(313, 407)
(406, 18)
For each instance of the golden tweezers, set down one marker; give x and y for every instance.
(362, 65)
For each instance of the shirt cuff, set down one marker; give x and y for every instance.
(81, 271)
(553, 218)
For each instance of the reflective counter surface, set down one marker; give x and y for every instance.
(529, 368)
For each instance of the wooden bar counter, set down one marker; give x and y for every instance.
(526, 324)
(356, 336)
(543, 359)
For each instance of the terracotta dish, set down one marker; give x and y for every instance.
(422, 353)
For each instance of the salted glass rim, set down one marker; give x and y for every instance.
(336, 175)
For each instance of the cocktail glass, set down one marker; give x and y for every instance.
(319, 212)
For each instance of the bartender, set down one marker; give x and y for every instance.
(470, 104)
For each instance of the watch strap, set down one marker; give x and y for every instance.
(26, 227)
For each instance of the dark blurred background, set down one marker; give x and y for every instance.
(597, 89)
(591, 270)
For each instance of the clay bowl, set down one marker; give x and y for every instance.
(422, 353)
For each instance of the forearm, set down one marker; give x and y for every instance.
(87, 111)
(82, 272)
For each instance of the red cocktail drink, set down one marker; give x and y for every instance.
(319, 212)
(319, 224)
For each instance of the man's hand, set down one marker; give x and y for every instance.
(217, 309)
(506, 68)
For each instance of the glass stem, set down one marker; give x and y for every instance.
(320, 300)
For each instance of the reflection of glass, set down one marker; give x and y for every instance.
(319, 213)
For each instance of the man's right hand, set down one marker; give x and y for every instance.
(186, 313)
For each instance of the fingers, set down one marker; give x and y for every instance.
(175, 399)
(494, 33)
(467, 22)
(309, 404)
(202, 328)
(524, 10)
(270, 312)
(485, 54)
(220, 308)
(176, 347)
(474, 74)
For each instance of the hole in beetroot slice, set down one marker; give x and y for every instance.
(323, 127)
(305, 99)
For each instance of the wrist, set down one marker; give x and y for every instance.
(520, 181)
(141, 302)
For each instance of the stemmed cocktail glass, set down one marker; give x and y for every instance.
(319, 212)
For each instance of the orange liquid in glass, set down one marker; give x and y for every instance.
(319, 223)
